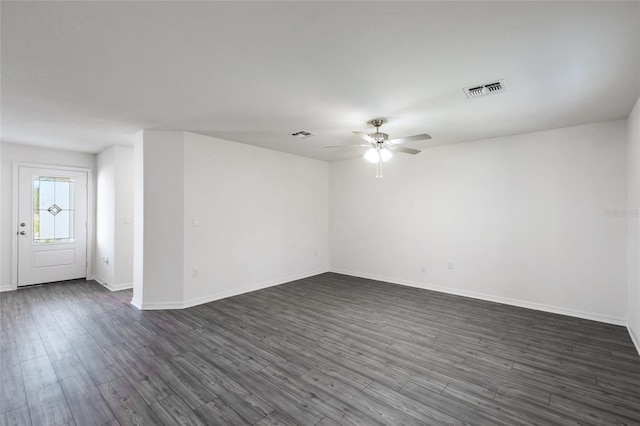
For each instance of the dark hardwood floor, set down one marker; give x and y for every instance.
(328, 350)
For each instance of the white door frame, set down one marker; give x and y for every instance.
(15, 216)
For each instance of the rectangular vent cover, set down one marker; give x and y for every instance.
(485, 89)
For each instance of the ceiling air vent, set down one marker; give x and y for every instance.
(485, 89)
(302, 134)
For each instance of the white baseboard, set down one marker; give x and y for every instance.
(112, 287)
(118, 287)
(136, 302)
(6, 288)
(634, 339)
(490, 298)
(99, 281)
(224, 294)
(259, 286)
(159, 305)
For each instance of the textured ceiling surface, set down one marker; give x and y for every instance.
(86, 75)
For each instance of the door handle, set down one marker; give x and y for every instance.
(22, 233)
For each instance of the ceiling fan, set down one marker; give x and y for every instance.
(381, 149)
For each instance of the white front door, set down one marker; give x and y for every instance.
(52, 225)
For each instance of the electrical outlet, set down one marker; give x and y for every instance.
(195, 273)
(105, 260)
(424, 269)
(450, 265)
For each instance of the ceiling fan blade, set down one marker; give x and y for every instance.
(348, 146)
(410, 139)
(364, 136)
(405, 150)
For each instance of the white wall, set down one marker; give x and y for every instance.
(522, 218)
(30, 154)
(123, 256)
(633, 221)
(105, 216)
(262, 217)
(3, 286)
(113, 266)
(138, 219)
(159, 204)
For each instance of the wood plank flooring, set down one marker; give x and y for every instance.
(327, 350)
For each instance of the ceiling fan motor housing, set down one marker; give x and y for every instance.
(379, 137)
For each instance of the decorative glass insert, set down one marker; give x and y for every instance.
(53, 209)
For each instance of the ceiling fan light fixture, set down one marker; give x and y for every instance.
(385, 154)
(372, 155)
(379, 144)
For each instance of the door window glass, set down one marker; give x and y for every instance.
(53, 209)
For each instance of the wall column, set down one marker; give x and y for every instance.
(158, 220)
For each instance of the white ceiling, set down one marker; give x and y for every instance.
(86, 75)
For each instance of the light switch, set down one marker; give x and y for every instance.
(195, 222)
